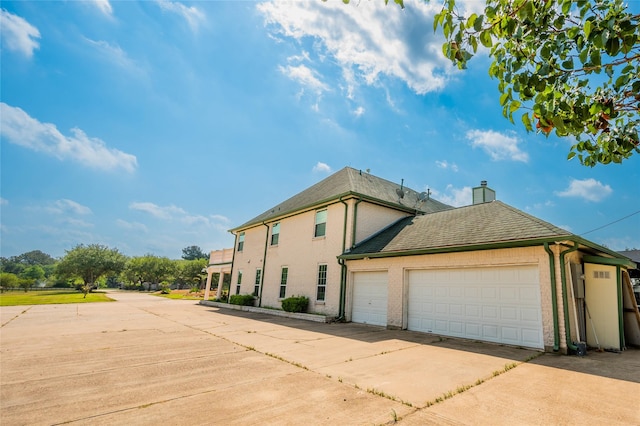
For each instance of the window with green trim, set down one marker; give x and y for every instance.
(239, 281)
(322, 283)
(283, 281)
(256, 285)
(321, 223)
(275, 234)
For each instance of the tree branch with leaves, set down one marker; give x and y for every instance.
(572, 66)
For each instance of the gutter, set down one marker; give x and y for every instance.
(565, 302)
(233, 258)
(343, 266)
(320, 204)
(554, 298)
(264, 262)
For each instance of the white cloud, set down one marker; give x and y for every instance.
(588, 189)
(114, 54)
(456, 197)
(446, 165)
(131, 226)
(498, 145)
(21, 129)
(65, 206)
(358, 112)
(191, 14)
(17, 34)
(178, 214)
(368, 39)
(322, 168)
(3, 201)
(305, 77)
(104, 6)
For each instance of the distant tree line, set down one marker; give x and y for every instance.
(86, 267)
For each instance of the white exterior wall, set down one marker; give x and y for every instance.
(398, 268)
(298, 250)
(372, 218)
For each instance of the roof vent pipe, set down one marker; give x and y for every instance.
(483, 194)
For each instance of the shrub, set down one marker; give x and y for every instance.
(295, 304)
(241, 299)
(165, 288)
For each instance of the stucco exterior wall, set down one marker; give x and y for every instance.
(372, 218)
(301, 252)
(398, 268)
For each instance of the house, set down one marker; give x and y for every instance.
(368, 250)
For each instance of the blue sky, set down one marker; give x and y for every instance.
(152, 126)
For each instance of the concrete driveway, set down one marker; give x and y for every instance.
(146, 360)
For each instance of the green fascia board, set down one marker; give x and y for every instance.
(320, 204)
(454, 249)
(497, 245)
(609, 261)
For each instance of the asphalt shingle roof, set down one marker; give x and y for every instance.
(349, 181)
(487, 223)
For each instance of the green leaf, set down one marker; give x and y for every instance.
(587, 28)
(527, 122)
(571, 155)
(485, 38)
(477, 25)
(515, 105)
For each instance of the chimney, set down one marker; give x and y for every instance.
(483, 194)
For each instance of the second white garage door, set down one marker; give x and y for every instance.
(370, 298)
(496, 304)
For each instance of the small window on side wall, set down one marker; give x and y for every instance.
(238, 284)
(321, 223)
(241, 241)
(275, 234)
(322, 283)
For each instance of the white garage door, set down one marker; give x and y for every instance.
(497, 304)
(370, 298)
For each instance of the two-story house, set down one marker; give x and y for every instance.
(368, 250)
(293, 248)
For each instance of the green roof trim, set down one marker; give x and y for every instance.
(609, 261)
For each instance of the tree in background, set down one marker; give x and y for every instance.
(33, 274)
(193, 252)
(572, 65)
(89, 263)
(189, 272)
(8, 281)
(149, 269)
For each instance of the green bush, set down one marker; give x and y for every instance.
(165, 288)
(295, 304)
(241, 299)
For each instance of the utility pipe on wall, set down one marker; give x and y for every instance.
(565, 302)
(554, 298)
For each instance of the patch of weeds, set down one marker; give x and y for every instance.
(340, 379)
(394, 416)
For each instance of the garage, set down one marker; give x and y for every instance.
(370, 298)
(495, 304)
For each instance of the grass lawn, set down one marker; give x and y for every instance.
(14, 298)
(181, 295)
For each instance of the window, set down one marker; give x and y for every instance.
(322, 282)
(241, 241)
(239, 282)
(275, 234)
(283, 282)
(321, 223)
(256, 285)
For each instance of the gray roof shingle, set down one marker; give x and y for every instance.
(487, 223)
(349, 181)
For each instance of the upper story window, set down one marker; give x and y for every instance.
(241, 241)
(321, 223)
(275, 234)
